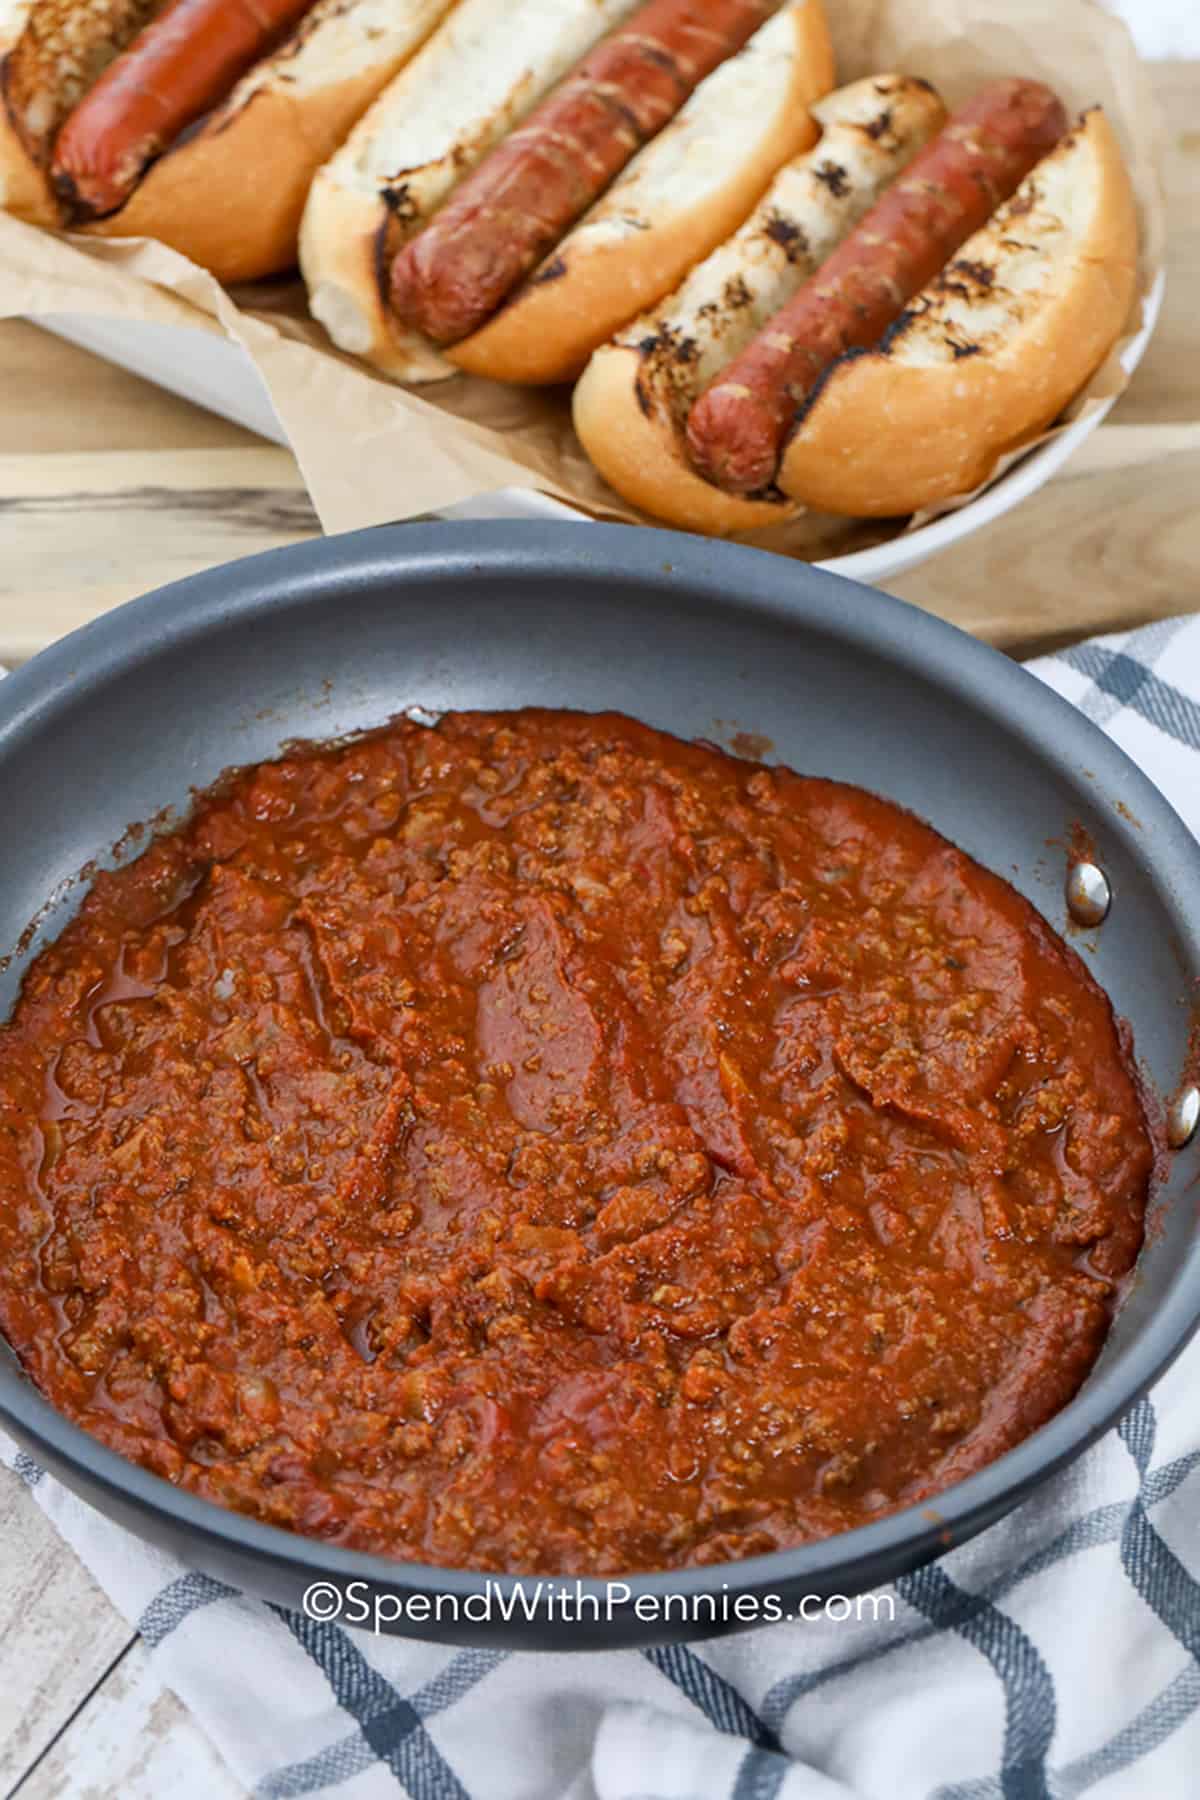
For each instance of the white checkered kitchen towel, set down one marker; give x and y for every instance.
(1057, 1655)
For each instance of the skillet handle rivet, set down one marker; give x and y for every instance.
(1183, 1117)
(1089, 894)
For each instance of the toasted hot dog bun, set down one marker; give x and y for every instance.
(991, 352)
(472, 82)
(24, 189)
(680, 197)
(51, 51)
(632, 403)
(231, 195)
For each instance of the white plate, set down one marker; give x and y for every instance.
(219, 375)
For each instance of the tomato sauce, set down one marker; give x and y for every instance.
(537, 1144)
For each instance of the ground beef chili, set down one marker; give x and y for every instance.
(535, 1143)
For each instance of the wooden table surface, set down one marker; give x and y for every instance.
(109, 486)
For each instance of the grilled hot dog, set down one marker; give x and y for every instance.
(179, 66)
(737, 428)
(631, 405)
(533, 187)
(472, 83)
(678, 199)
(990, 353)
(134, 119)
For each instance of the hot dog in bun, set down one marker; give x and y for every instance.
(436, 209)
(515, 207)
(989, 355)
(679, 198)
(632, 404)
(951, 323)
(200, 123)
(460, 95)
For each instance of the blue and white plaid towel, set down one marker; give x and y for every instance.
(1058, 1654)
